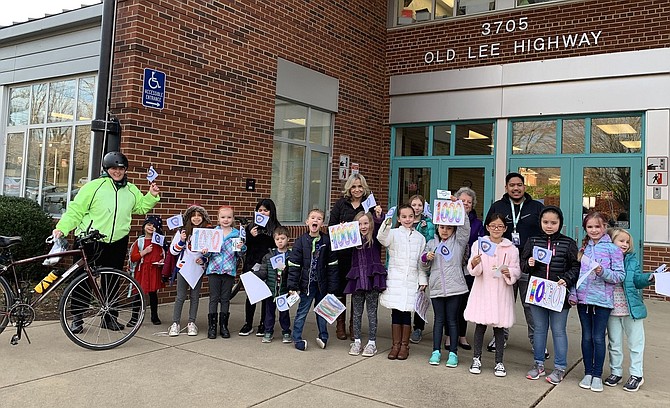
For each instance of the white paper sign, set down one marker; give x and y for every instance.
(260, 219)
(369, 203)
(542, 255)
(255, 288)
(421, 304)
(329, 308)
(443, 194)
(447, 212)
(206, 238)
(152, 174)
(191, 272)
(293, 299)
(592, 265)
(662, 283)
(157, 238)
(346, 235)
(235, 242)
(545, 293)
(278, 261)
(175, 221)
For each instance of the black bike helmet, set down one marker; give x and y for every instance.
(114, 159)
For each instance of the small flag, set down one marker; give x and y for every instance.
(369, 203)
(243, 233)
(278, 261)
(157, 238)
(260, 219)
(541, 255)
(390, 213)
(444, 251)
(487, 247)
(426, 210)
(152, 174)
(175, 222)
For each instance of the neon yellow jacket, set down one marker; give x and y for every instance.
(109, 207)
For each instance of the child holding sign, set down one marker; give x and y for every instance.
(627, 315)
(423, 224)
(221, 271)
(491, 300)
(404, 277)
(443, 257)
(365, 280)
(145, 258)
(274, 272)
(562, 266)
(601, 268)
(312, 270)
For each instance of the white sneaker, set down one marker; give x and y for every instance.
(476, 366)
(192, 329)
(174, 330)
(369, 350)
(499, 371)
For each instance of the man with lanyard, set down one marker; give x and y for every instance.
(522, 216)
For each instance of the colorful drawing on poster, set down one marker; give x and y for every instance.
(260, 219)
(329, 308)
(448, 212)
(542, 255)
(545, 293)
(175, 221)
(346, 235)
(421, 304)
(486, 247)
(208, 238)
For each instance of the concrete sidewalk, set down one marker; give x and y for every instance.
(156, 370)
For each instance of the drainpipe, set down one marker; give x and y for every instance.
(106, 131)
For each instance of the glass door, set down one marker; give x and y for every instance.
(475, 174)
(413, 176)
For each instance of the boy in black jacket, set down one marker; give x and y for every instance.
(312, 271)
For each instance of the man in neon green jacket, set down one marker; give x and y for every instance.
(107, 204)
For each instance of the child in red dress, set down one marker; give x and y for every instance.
(146, 260)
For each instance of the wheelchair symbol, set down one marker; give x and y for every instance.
(153, 82)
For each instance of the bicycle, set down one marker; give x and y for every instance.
(93, 298)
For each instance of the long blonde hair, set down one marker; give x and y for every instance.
(616, 231)
(368, 238)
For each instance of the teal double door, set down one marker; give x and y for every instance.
(411, 176)
(579, 185)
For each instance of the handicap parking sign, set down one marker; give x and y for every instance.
(153, 89)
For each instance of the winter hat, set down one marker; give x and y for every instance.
(193, 208)
(156, 221)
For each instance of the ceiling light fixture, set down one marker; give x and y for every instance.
(617, 129)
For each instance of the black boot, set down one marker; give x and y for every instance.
(135, 314)
(211, 325)
(109, 322)
(223, 323)
(153, 303)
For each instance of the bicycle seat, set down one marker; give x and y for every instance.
(6, 242)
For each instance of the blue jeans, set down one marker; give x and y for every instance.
(594, 322)
(306, 299)
(543, 319)
(446, 316)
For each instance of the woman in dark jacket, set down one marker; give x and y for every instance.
(563, 268)
(356, 191)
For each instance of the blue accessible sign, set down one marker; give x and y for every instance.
(153, 89)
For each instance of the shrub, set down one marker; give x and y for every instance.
(25, 218)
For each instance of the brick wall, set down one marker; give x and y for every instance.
(625, 25)
(654, 256)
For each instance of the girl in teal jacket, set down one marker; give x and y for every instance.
(627, 315)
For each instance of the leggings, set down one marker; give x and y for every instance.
(220, 290)
(400, 317)
(360, 299)
(498, 335)
(194, 296)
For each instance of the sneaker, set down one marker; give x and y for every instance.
(286, 338)
(267, 338)
(174, 330)
(355, 348)
(586, 382)
(301, 345)
(597, 384)
(499, 370)
(191, 329)
(452, 362)
(633, 384)
(321, 343)
(556, 376)
(369, 350)
(435, 358)
(536, 372)
(613, 380)
(261, 330)
(476, 366)
(416, 336)
(246, 330)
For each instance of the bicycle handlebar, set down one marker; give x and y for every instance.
(90, 236)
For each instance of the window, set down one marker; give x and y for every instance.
(412, 141)
(536, 137)
(301, 160)
(466, 139)
(48, 141)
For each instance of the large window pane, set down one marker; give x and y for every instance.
(39, 104)
(290, 120)
(411, 141)
(34, 163)
(616, 135)
(288, 164)
(61, 101)
(319, 127)
(318, 181)
(413, 181)
(19, 104)
(13, 162)
(441, 140)
(86, 98)
(543, 184)
(607, 189)
(574, 134)
(469, 177)
(536, 137)
(444, 8)
(475, 6)
(474, 139)
(82, 151)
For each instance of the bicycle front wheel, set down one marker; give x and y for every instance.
(102, 323)
(6, 301)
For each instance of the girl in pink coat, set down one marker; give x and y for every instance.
(491, 300)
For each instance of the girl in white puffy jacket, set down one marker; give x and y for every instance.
(404, 277)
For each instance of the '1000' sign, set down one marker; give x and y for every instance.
(448, 212)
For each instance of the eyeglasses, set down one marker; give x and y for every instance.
(496, 227)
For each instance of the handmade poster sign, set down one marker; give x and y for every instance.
(421, 304)
(426, 210)
(206, 238)
(390, 213)
(486, 247)
(662, 283)
(191, 272)
(542, 255)
(329, 308)
(152, 174)
(369, 203)
(444, 251)
(346, 235)
(157, 238)
(443, 194)
(592, 266)
(278, 261)
(256, 289)
(545, 293)
(175, 221)
(448, 212)
(260, 219)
